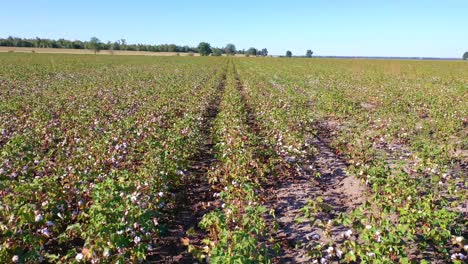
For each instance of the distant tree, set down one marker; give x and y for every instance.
(94, 44)
(107, 46)
(204, 49)
(216, 52)
(264, 52)
(288, 54)
(230, 49)
(78, 44)
(465, 56)
(172, 48)
(131, 47)
(309, 53)
(123, 44)
(115, 45)
(251, 52)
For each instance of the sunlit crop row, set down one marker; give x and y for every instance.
(91, 150)
(236, 229)
(402, 127)
(95, 149)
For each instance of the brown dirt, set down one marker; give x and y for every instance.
(394, 153)
(341, 193)
(294, 185)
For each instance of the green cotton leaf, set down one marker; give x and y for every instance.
(402, 228)
(404, 260)
(51, 257)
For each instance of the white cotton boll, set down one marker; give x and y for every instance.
(315, 236)
(137, 239)
(458, 256)
(15, 259)
(79, 257)
(39, 218)
(45, 232)
(339, 253)
(348, 233)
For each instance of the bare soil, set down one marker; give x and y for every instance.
(340, 192)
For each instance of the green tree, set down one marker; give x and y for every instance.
(217, 52)
(264, 52)
(309, 53)
(288, 54)
(123, 44)
(172, 48)
(204, 49)
(115, 45)
(94, 44)
(230, 49)
(251, 51)
(465, 56)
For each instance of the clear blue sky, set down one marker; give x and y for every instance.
(329, 27)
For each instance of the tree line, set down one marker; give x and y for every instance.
(95, 44)
(205, 49)
(308, 54)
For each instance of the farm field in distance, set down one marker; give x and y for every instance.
(121, 159)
